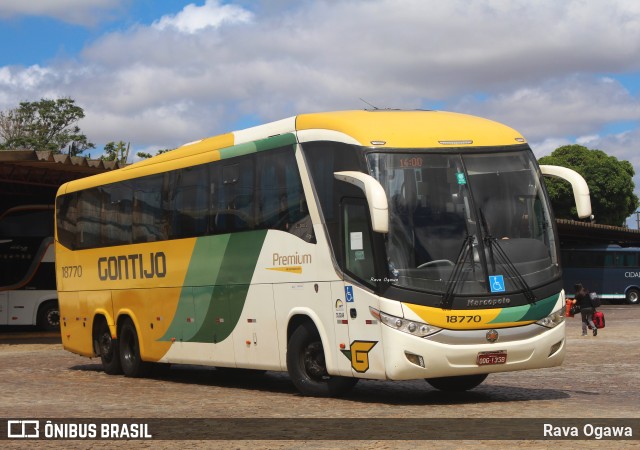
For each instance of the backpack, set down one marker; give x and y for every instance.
(598, 319)
(595, 300)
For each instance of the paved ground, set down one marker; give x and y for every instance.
(599, 379)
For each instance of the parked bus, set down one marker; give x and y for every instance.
(27, 271)
(335, 246)
(610, 270)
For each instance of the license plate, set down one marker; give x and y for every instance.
(490, 358)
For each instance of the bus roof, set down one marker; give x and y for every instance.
(411, 129)
(369, 128)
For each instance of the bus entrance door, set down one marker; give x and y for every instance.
(341, 324)
(362, 352)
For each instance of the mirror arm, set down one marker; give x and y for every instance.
(375, 195)
(579, 185)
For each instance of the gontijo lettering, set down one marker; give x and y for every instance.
(136, 266)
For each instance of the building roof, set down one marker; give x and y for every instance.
(585, 232)
(33, 177)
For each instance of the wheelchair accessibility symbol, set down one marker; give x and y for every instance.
(348, 293)
(496, 282)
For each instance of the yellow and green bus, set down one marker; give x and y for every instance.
(373, 244)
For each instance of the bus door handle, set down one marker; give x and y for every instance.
(353, 313)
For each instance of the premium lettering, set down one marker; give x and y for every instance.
(134, 267)
(287, 260)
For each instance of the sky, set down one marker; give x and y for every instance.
(158, 74)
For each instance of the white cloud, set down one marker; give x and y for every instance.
(84, 12)
(195, 18)
(548, 145)
(156, 86)
(575, 105)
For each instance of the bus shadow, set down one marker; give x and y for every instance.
(400, 393)
(420, 393)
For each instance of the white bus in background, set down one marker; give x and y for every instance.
(27, 268)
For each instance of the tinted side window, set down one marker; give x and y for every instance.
(67, 216)
(150, 211)
(189, 202)
(117, 200)
(323, 159)
(256, 191)
(234, 204)
(280, 200)
(88, 225)
(358, 256)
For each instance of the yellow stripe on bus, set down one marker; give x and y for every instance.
(462, 319)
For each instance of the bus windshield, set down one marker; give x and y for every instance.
(476, 221)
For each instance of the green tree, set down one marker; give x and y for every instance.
(610, 184)
(145, 155)
(44, 125)
(116, 151)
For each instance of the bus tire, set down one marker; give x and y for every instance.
(457, 384)
(307, 368)
(132, 364)
(49, 316)
(108, 349)
(633, 296)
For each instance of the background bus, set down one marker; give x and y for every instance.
(27, 269)
(610, 270)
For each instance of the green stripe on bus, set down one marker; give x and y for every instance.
(281, 140)
(216, 286)
(535, 311)
(230, 292)
(238, 150)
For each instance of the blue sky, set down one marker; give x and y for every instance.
(161, 73)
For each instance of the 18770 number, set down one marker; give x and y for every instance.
(71, 271)
(464, 319)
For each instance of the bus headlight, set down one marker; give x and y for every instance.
(419, 329)
(552, 320)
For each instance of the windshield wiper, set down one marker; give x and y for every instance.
(510, 268)
(454, 278)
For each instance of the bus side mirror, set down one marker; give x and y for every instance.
(579, 185)
(376, 197)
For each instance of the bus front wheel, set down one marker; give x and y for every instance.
(457, 384)
(132, 364)
(633, 296)
(108, 348)
(307, 367)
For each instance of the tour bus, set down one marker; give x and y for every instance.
(27, 271)
(612, 271)
(375, 244)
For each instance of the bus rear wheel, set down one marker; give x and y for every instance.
(108, 348)
(132, 364)
(457, 384)
(633, 296)
(307, 367)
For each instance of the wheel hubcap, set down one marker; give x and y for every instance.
(53, 317)
(106, 345)
(314, 363)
